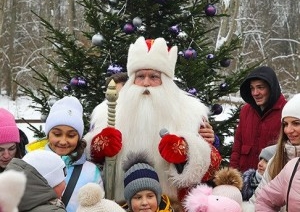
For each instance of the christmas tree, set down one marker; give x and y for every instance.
(206, 69)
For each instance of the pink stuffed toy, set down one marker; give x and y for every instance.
(201, 199)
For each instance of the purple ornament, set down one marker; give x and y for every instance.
(223, 86)
(114, 68)
(225, 62)
(192, 91)
(174, 29)
(216, 109)
(210, 56)
(67, 88)
(82, 82)
(210, 10)
(190, 53)
(74, 81)
(129, 28)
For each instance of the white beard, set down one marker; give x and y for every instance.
(141, 117)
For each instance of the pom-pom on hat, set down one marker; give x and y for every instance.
(48, 164)
(12, 187)
(66, 111)
(140, 175)
(229, 183)
(291, 108)
(267, 152)
(152, 54)
(91, 199)
(9, 131)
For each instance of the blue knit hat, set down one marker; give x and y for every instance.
(140, 175)
(66, 111)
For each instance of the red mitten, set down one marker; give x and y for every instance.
(107, 143)
(173, 149)
(215, 161)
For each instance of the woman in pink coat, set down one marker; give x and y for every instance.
(283, 190)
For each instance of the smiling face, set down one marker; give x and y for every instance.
(144, 201)
(63, 139)
(260, 92)
(291, 127)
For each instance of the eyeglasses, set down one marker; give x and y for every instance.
(10, 149)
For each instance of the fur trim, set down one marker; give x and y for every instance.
(197, 197)
(136, 157)
(248, 185)
(12, 187)
(229, 176)
(194, 170)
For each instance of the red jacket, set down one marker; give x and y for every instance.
(254, 133)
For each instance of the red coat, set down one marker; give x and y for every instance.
(254, 133)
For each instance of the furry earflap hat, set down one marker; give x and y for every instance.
(12, 187)
(66, 111)
(152, 54)
(140, 175)
(91, 199)
(9, 131)
(291, 108)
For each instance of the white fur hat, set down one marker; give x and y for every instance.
(152, 54)
(48, 164)
(12, 187)
(91, 199)
(291, 108)
(66, 111)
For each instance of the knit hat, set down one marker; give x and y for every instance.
(12, 187)
(91, 199)
(229, 183)
(291, 107)
(152, 54)
(9, 131)
(140, 175)
(66, 111)
(48, 164)
(267, 152)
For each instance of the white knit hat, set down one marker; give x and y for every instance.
(12, 187)
(66, 111)
(48, 164)
(91, 199)
(152, 54)
(291, 108)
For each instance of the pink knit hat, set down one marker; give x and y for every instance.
(9, 131)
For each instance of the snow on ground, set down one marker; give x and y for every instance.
(21, 109)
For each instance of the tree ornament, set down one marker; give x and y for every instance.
(97, 39)
(210, 56)
(137, 22)
(224, 87)
(174, 29)
(216, 109)
(129, 28)
(192, 91)
(182, 35)
(225, 62)
(114, 68)
(210, 10)
(190, 53)
(82, 83)
(67, 88)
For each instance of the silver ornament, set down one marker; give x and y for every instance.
(97, 39)
(182, 35)
(137, 21)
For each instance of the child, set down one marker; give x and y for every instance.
(142, 189)
(45, 172)
(252, 177)
(64, 129)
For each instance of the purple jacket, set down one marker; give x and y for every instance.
(274, 195)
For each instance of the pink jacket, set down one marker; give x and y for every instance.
(274, 195)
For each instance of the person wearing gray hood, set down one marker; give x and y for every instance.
(260, 118)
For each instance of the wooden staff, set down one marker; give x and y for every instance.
(110, 162)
